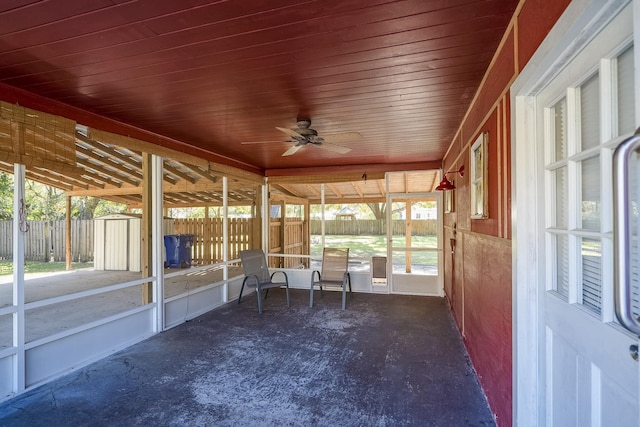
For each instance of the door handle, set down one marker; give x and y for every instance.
(622, 233)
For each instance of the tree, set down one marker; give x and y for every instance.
(44, 202)
(6, 196)
(379, 210)
(86, 207)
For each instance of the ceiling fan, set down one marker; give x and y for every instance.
(305, 135)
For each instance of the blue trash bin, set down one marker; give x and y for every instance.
(171, 247)
(178, 250)
(184, 250)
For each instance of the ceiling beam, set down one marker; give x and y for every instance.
(47, 179)
(109, 163)
(174, 170)
(205, 174)
(292, 200)
(335, 190)
(102, 175)
(356, 187)
(284, 190)
(321, 175)
(347, 200)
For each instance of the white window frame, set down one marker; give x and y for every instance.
(478, 180)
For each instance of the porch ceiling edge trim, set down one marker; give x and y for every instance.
(346, 173)
(24, 98)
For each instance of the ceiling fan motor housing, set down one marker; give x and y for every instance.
(303, 123)
(307, 132)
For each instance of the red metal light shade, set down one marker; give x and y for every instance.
(445, 184)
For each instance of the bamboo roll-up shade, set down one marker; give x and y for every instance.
(35, 138)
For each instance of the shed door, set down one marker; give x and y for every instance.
(586, 374)
(116, 244)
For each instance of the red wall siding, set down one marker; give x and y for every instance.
(487, 314)
(501, 73)
(479, 284)
(535, 20)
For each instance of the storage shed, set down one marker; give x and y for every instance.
(345, 213)
(117, 241)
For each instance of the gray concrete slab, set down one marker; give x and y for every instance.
(387, 360)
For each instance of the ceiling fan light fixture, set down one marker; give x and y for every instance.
(308, 132)
(305, 135)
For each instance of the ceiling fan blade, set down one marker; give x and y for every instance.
(332, 147)
(292, 150)
(290, 132)
(342, 137)
(261, 142)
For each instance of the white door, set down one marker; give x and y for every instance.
(415, 244)
(116, 245)
(573, 107)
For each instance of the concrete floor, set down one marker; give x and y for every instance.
(388, 360)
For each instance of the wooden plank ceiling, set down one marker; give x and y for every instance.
(215, 79)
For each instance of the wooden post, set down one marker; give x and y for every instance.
(306, 233)
(146, 245)
(206, 237)
(256, 232)
(68, 234)
(283, 234)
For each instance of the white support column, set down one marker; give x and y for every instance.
(225, 238)
(157, 240)
(266, 218)
(19, 228)
(322, 214)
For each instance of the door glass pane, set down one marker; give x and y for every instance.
(415, 262)
(560, 129)
(562, 196)
(626, 110)
(634, 224)
(592, 274)
(415, 238)
(590, 113)
(415, 224)
(591, 193)
(562, 265)
(635, 280)
(398, 221)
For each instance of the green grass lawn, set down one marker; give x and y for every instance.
(367, 246)
(6, 267)
(360, 247)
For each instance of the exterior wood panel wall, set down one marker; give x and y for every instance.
(478, 279)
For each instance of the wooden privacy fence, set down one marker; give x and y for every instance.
(373, 227)
(293, 240)
(45, 240)
(207, 242)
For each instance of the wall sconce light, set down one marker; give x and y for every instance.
(445, 184)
